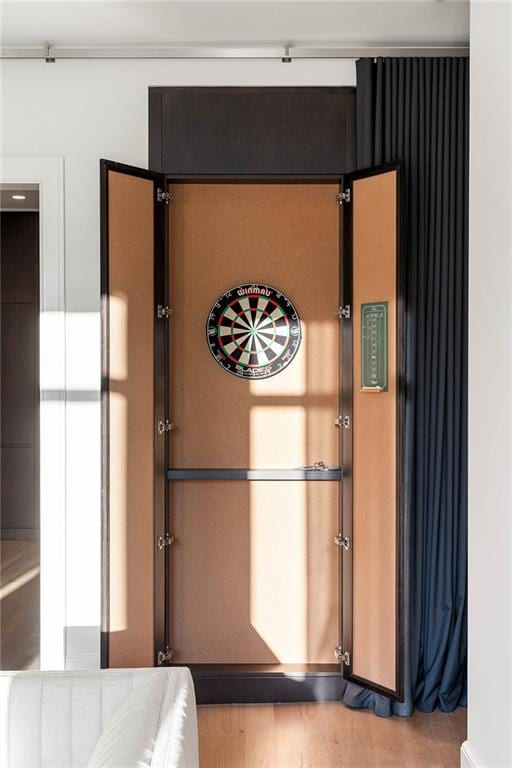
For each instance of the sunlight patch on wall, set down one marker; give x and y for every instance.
(51, 354)
(83, 373)
(278, 568)
(52, 470)
(277, 436)
(118, 514)
(289, 383)
(118, 361)
(83, 525)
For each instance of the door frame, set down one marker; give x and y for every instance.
(48, 173)
(347, 435)
(160, 408)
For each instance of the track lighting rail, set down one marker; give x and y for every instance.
(286, 53)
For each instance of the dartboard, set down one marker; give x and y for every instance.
(253, 331)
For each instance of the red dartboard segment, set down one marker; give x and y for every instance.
(253, 331)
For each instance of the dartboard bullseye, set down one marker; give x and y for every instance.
(253, 331)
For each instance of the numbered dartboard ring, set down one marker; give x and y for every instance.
(253, 331)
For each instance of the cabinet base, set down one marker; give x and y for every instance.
(245, 684)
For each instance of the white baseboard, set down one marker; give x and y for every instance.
(79, 661)
(82, 648)
(468, 757)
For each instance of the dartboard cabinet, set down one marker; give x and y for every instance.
(252, 419)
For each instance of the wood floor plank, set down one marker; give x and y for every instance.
(19, 604)
(326, 735)
(16, 557)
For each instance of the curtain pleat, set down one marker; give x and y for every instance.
(417, 111)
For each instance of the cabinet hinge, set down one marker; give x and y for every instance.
(163, 197)
(164, 426)
(165, 656)
(343, 541)
(342, 656)
(165, 541)
(343, 421)
(343, 197)
(343, 313)
(163, 312)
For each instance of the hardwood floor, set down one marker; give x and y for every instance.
(326, 735)
(19, 604)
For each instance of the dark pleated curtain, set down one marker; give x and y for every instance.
(416, 111)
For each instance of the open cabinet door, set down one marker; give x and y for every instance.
(134, 402)
(372, 362)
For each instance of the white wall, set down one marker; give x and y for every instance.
(83, 111)
(490, 381)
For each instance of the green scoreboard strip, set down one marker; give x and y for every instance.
(374, 346)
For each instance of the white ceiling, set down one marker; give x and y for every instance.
(237, 22)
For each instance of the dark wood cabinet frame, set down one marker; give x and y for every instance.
(216, 683)
(251, 130)
(161, 400)
(347, 388)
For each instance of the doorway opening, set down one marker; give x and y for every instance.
(44, 176)
(19, 428)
